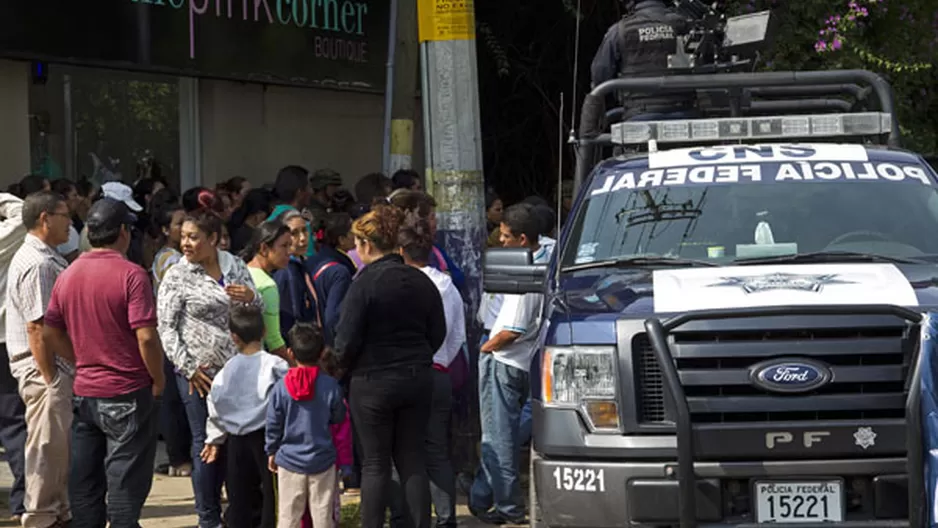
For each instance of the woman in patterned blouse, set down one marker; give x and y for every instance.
(193, 304)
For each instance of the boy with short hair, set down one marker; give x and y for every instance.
(299, 445)
(237, 415)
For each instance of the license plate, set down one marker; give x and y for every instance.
(799, 502)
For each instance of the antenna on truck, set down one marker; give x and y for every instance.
(559, 191)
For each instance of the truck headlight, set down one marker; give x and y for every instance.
(585, 378)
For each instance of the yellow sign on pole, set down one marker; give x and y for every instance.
(446, 20)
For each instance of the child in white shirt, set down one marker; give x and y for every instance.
(237, 415)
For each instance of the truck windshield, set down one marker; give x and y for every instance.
(884, 209)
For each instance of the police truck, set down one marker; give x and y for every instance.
(732, 317)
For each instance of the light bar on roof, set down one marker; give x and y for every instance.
(752, 128)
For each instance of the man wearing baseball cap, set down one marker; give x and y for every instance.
(325, 183)
(120, 192)
(102, 312)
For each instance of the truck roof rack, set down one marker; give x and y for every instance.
(744, 107)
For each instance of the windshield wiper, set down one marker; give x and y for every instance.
(828, 256)
(642, 262)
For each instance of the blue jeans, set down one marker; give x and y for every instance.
(13, 433)
(207, 479)
(527, 423)
(503, 389)
(173, 423)
(113, 449)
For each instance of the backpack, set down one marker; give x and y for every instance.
(303, 304)
(441, 261)
(311, 286)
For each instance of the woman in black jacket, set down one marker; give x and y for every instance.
(391, 324)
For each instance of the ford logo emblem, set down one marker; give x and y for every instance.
(790, 375)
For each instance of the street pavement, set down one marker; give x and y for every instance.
(171, 502)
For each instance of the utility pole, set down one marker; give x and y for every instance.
(404, 98)
(452, 133)
(453, 150)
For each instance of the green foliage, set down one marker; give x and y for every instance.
(527, 59)
(125, 117)
(895, 38)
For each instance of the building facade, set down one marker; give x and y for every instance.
(209, 88)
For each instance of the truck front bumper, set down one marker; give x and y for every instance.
(580, 494)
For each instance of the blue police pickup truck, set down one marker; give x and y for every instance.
(731, 325)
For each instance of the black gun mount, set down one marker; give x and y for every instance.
(711, 42)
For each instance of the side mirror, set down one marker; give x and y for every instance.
(512, 270)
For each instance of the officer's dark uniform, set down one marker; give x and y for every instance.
(638, 46)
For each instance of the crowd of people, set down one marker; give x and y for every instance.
(259, 332)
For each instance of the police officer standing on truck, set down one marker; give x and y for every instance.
(639, 46)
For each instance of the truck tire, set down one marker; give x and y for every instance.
(534, 508)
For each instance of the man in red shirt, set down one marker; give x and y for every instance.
(102, 309)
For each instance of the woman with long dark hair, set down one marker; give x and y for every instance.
(392, 323)
(193, 303)
(268, 252)
(297, 304)
(167, 218)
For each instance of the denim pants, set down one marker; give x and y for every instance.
(13, 433)
(113, 450)
(207, 479)
(503, 390)
(173, 423)
(527, 424)
(438, 460)
(13, 440)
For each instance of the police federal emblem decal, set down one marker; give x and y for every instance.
(781, 281)
(865, 437)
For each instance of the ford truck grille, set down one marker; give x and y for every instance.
(869, 367)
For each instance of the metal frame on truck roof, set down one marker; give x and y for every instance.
(739, 89)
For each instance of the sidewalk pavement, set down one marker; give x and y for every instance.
(171, 502)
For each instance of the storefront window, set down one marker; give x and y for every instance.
(104, 125)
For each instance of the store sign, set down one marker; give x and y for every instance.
(339, 43)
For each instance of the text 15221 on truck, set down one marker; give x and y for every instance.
(732, 325)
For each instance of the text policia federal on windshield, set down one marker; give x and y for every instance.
(729, 165)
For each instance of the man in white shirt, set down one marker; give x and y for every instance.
(12, 410)
(416, 246)
(504, 362)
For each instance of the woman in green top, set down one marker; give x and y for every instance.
(269, 251)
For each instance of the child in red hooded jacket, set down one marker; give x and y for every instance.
(341, 438)
(303, 410)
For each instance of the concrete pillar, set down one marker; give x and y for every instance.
(14, 121)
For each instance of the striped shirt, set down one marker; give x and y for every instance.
(30, 279)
